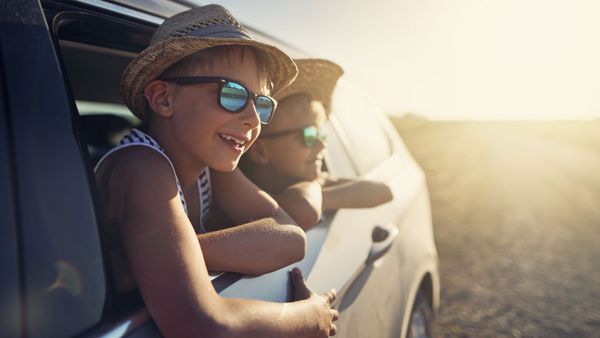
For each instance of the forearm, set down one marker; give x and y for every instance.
(253, 248)
(356, 194)
(303, 202)
(252, 318)
(220, 317)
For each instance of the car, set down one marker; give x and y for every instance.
(61, 109)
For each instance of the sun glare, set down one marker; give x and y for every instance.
(460, 59)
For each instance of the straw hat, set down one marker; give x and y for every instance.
(317, 78)
(191, 31)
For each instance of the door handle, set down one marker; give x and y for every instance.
(383, 237)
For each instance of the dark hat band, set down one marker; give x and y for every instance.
(220, 31)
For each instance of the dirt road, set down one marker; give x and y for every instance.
(516, 211)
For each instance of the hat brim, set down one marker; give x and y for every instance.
(317, 78)
(156, 59)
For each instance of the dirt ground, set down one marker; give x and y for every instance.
(516, 212)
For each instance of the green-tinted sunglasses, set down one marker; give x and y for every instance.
(233, 96)
(310, 135)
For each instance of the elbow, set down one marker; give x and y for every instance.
(387, 193)
(290, 248)
(383, 195)
(295, 250)
(298, 244)
(308, 219)
(306, 214)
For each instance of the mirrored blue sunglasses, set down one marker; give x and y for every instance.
(232, 96)
(310, 135)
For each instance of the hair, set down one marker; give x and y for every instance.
(204, 60)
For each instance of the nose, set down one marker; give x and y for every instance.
(250, 116)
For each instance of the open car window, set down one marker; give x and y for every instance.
(367, 139)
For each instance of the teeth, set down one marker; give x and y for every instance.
(231, 138)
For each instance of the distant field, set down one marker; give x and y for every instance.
(516, 211)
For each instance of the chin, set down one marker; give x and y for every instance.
(225, 167)
(311, 176)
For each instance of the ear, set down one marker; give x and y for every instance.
(259, 152)
(159, 97)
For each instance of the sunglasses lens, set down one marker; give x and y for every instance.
(311, 134)
(264, 108)
(233, 96)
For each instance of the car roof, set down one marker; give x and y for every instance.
(155, 11)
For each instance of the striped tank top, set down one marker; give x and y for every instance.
(136, 137)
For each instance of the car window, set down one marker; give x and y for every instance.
(336, 154)
(102, 127)
(360, 121)
(93, 61)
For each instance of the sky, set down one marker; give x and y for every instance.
(451, 59)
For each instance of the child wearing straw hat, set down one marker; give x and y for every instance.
(202, 88)
(286, 159)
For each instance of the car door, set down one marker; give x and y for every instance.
(374, 303)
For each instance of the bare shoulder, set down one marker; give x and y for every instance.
(135, 175)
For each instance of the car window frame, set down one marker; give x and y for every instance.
(57, 237)
(10, 289)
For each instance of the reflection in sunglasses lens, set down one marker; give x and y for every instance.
(310, 136)
(233, 96)
(264, 108)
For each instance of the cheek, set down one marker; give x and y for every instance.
(298, 158)
(255, 134)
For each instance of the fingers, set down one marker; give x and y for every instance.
(335, 315)
(330, 296)
(332, 330)
(301, 291)
(297, 277)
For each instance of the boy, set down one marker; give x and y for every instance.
(287, 158)
(202, 89)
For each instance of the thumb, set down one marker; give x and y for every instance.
(301, 291)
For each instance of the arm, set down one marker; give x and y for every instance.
(266, 238)
(349, 193)
(169, 268)
(303, 202)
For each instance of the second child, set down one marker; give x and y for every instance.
(287, 158)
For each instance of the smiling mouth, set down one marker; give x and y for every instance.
(234, 141)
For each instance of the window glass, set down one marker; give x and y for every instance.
(96, 108)
(102, 126)
(360, 121)
(336, 155)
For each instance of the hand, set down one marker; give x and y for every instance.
(325, 315)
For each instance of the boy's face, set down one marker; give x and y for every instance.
(210, 135)
(288, 155)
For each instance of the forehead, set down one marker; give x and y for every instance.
(234, 65)
(234, 62)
